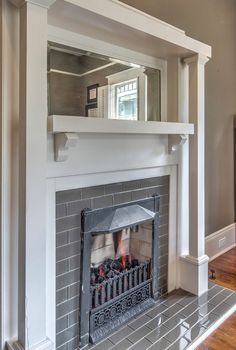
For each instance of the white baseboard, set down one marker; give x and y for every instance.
(221, 241)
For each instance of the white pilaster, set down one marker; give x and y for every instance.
(194, 267)
(32, 331)
(9, 112)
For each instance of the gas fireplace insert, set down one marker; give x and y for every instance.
(119, 266)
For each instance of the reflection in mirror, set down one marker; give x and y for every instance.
(82, 83)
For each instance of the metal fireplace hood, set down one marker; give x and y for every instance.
(118, 217)
(124, 217)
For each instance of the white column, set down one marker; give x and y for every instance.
(194, 266)
(32, 330)
(9, 113)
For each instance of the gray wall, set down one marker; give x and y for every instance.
(213, 22)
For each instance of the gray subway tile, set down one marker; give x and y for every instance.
(231, 300)
(138, 334)
(68, 196)
(120, 334)
(162, 281)
(206, 309)
(172, 310)
(66, 335)
(164, 219)
(73, 318)
(158, 190)
(180, 344)
(221, 309)
(164, 240)
(218, 299)
(67, 279)
(189, 309)
(139, 322)
(76, 207)
(68, 223)
(154, 181)
(163, 250)
(157, 334)
(67, 307)
(74, 235)
(61, 295)
(123, 197)
(161, 344)
(123, 345)
(164, 209)
(74, 262)
(227, 292)
(213, 291)
(61, 210)
(193, 319)
(61, 324)
(131, 185)
(102, 202)
(194, 333)
(209, 320)
(74, 290)
(61, 239)
(67, 251)
(157, 321)
(159, 309)
(62, 267)
(176, 333)
(104, 345)
(62, 347)
(139, 194)
(143, 344)
(113, 188)
(94, 191)
(164, 200)
(188, 300)
(175, 321)
(164, 229)
(73, 344)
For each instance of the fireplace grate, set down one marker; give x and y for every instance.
(119, 284)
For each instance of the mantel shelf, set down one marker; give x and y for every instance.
(72, 124)
(66, 129)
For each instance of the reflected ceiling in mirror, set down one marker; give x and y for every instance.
(87, 84)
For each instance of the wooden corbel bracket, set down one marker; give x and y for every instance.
(62, 143)
(175, 142)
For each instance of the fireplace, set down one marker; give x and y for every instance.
(119, 265)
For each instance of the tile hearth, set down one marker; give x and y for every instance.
(173, 323)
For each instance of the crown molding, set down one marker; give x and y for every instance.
(41, 3)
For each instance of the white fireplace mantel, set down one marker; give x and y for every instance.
(28, 244)
(66, 131)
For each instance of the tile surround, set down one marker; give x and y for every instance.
(68, 225)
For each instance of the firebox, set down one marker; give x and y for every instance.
(119, 266)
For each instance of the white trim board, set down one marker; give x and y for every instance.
(221, 241)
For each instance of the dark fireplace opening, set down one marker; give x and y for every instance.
(119, 266)
(119, 262)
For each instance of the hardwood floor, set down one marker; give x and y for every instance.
(223, 337)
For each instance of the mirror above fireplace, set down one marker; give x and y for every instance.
(87, 84)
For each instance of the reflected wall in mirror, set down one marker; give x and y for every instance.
(82, 83)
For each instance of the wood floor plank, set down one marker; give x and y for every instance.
(224, 337)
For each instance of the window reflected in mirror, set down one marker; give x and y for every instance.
(86, 84)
